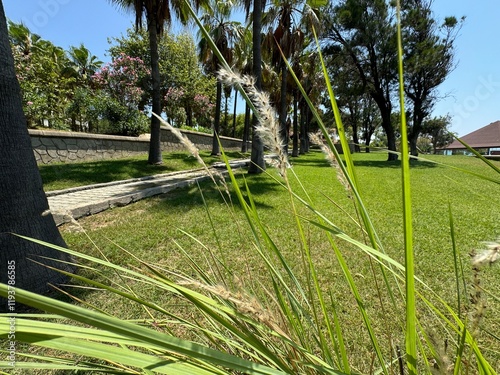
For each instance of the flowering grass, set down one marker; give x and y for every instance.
(153, 231)
(336, 276)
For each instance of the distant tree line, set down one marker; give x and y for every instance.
(74, 90)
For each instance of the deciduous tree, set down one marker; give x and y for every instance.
(363, 32)
(428, 59)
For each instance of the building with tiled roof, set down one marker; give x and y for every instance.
(486, 141)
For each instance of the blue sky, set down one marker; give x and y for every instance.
(471, 93)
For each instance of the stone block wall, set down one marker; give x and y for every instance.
(56, 146)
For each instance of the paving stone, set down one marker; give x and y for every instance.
(90, 200)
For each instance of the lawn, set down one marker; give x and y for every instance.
(155, 230)
(60, 176)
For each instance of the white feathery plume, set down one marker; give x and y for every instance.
(487, 256)
(268, 128)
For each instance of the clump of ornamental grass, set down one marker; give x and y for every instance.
(295, 330)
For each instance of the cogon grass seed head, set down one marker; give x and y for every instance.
(268, 127)
(479, 260)
(329, 155)
(487, 256)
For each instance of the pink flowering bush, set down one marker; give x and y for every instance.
(182, 107)
(122, 79)
(121, 82)
(204, 110)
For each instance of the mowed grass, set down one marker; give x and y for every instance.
(60, 176)
(154, 230)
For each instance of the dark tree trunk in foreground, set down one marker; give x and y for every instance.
(23, 204)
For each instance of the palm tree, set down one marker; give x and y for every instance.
(286, 20)
(83, 65)
(157, 13)
(224, 34)
(21, 37)
(257, 163)
(243, 62)
(23, 203)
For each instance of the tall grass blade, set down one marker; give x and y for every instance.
(130, 331)
(411, 331)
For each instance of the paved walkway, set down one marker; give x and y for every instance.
(67, 205)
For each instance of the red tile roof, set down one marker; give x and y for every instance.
(488, 136)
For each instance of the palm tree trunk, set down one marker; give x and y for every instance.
(283, 108)
(246, 129)
(257, 164)
(155, 156)
(23, 204)
(226, 97)
(218, 102)
(234, 112)
(295, 149)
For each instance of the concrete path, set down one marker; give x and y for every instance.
(70, 204)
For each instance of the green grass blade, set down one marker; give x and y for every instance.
(135, 332)
(411, 331)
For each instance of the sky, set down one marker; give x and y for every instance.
(470, 94)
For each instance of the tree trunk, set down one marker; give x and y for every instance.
(417, 119)
(218, 101)
(257, 163)
(246, 129)
(155, 156)
(367, 146)
(283, 109)
(189, 115)
(234, 113)
(23, 204)
(295, 149)
(226, 112)
(355, 138)
(385, 114)
(303, 134)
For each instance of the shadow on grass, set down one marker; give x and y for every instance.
(305, 161)
(396, 164)
(61, 176)
(190, 197)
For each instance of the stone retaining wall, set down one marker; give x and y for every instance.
(56, 146)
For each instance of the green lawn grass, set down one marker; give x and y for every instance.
(59, 176)
(152, 230)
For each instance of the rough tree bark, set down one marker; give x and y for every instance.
(24, 209)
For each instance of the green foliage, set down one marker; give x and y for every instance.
(437, 129)
(180, 72)
(122, 120)
(39, 65)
